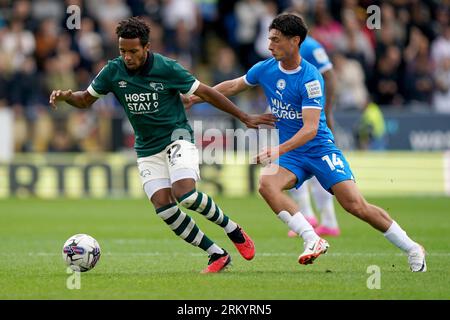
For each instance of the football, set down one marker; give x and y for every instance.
(81, 252)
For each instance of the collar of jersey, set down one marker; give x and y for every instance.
(145, 69)
(289, 71)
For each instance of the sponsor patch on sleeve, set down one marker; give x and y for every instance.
(321, 56)
(314, 90)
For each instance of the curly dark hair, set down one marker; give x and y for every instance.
(132, 28)
(290, 25)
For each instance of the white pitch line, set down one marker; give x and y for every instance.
(264, 254)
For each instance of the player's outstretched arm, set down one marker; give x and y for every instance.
(231, 88)
(228, 88)
(78, 99)
(221, 102)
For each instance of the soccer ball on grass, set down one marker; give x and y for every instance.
(81, 252)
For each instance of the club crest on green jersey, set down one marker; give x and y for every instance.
(157, 86)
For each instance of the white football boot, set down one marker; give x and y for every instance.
(313, 249)
(416, 259)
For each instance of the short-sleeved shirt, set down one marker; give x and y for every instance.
(289, 92)
(151, 99)
(313, 52)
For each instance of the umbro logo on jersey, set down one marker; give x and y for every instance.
(157, 86)
(122, 84)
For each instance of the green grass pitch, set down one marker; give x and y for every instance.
(143, 259)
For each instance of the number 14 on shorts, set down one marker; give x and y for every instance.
(334, 162)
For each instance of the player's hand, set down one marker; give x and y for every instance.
(186, 101)
(189, 102)
(253, 120)
(59, 95)
(268, 155)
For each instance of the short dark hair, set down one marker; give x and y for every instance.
(290, 25)
(132, 28)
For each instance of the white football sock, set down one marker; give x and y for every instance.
(324, 202)
(301, 197)
(214, 249)
(284, 216)
(230, 227)
(302, 227)
(399, 238)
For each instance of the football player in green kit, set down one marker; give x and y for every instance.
(148, 86)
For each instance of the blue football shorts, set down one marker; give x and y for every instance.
(329, 168)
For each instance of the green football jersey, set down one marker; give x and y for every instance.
(151, 99)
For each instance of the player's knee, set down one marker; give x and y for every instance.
(266, 188)
(262, 188)
(158, 204)
(355, 207)
(161, 198)
(178, 194)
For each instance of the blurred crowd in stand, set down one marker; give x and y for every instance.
(403, 65)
